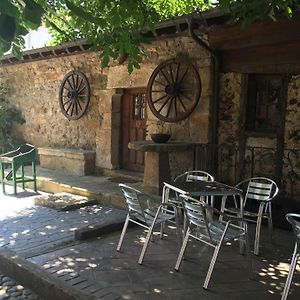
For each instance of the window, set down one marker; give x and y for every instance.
(264, 103)
(139, 107)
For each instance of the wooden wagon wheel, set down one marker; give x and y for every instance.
(174, 90)
(74, 95)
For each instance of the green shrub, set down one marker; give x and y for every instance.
(9, 116)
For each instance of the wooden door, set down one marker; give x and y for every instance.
(133, 128)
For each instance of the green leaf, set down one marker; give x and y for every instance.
(7, 27)
(6, 7)
(81, 13)
(33, 13)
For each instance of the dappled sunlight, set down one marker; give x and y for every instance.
(26, 227)
(273, 276)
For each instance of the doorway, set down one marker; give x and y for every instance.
(133, 128)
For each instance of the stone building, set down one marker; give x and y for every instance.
(250, 99)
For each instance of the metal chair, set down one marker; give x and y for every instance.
(194, 176)
(141, 213)
(211, 232)
(260, 191)
(294, 219)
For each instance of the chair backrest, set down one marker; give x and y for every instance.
(131, 196)
(196, 213)
(259, 188)
(294, 219)
(194, 175)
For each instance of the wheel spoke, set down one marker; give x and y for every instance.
(160, 98)
(181, 102)
(161, 108)
(79, 105)
(67, 110)
(72, 109)
(184, 74)
(68, 89)
(66, 102)
(163, 84)
(70, 85)
(76, 108)
(79, 91)
(73, 80)
(170, 106)
(170, 68)
(188, 98)
(163, 73)
(177, 72)
(175, 106)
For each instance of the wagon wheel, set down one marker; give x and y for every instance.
(74, 95)
(174, 90)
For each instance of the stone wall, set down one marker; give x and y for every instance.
(291, 171)
(34, 88)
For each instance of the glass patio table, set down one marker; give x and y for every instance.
(205, 189)
(199, 188)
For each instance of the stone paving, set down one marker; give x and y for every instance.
(45, 237)
(10, 290)
(29, 229)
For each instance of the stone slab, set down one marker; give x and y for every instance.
(75, 162)
(64, 201)
(30, 275)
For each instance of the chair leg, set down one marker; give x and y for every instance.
(214, 258)
(290, 275)
(223, 203)
(149, 234)
(257, 231)
(123, 233)
(182, 250)
(248, 251)
(270, 223)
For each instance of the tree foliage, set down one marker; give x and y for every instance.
(116, 27)
(9, 116)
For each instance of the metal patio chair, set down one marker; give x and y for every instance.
(212, 232)
(294, 219)
(259, 191)
(143, 214)
(193, 176)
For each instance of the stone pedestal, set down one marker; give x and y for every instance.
(157, 166)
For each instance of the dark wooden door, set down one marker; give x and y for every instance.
(133, 128)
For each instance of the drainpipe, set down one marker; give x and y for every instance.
(214, 106)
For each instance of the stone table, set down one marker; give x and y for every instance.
(157, 166)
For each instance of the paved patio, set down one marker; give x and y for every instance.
(93, 269)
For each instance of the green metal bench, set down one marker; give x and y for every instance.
(16, 160)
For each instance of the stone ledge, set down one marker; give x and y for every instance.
(98, 229)
(68, 153)
(42, 283)
(72, 161)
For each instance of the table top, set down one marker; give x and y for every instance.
(203, 188)
(150, 146)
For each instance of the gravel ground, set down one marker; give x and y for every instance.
(11, 290)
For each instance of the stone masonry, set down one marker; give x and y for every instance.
(35, 92)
